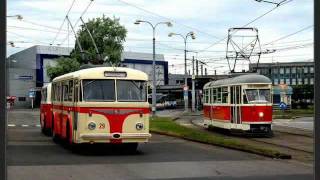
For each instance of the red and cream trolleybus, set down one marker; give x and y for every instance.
(101, 105)
(239, 103)
(46, 110)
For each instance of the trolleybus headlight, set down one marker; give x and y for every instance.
(91, 125)
(261, 114)
(139, 126)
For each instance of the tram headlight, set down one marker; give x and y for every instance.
(139, 126)
(261, 114)
(92, 126)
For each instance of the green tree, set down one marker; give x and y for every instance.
(64, 65)
(108, 35)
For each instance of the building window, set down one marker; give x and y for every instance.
(275, 81)
(21, 98)
(281, 70)
(275, 71)
(306, 81)
(299, 81)
(311, 81)
(305, 70)
(287, 70)
(288, 81)
(293, 70)
(179, 81)
(311, 70)
(293, 81)
(281, 81)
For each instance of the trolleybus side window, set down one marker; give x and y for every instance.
(131, 90)
(70, 91)
(76, 89)
(65, 89)
(98, 90)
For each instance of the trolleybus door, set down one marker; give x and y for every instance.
(236, 104)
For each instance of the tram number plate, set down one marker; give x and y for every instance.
(102, 125)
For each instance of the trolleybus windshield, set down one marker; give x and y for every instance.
(258, 95)
(98, 90)
(130, 90)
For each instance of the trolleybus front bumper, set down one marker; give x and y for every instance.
(109, 136)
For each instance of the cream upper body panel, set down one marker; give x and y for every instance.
(99, 73)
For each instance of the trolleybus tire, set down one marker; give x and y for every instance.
(130, 147)
(55, 137)
(69, 145)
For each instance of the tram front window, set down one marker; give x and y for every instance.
(98, 90)
(258, 95)
(129, 90)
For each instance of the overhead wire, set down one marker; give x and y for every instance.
(64, 20)
(250, 22)
(78, 20)
(155, 14)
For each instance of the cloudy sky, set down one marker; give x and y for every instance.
(287, 30)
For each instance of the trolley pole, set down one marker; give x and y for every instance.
(193, 86)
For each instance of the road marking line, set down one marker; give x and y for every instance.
(24, 125)
(38, 125)
(11, 125)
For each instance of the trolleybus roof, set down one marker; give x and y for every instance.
(243, 79)
(95, 73)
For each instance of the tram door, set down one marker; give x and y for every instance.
(235, 104)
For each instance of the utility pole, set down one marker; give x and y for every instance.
(193, 87)
(201, 69)
(185, 88)
(197, 67)
(154, 85)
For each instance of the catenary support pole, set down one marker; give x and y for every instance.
(193, 87)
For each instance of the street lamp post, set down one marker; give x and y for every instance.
(185, 88)
(169, 24)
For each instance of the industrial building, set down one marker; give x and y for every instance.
(27, 70)
(290, 73)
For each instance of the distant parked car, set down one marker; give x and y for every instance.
(170, 102)
(160, 103)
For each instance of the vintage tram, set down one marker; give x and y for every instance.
(240, 103)
(101, 105)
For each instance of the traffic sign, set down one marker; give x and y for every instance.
(282, 105)
(32, 94)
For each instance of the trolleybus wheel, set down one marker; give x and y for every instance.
(55, 137)
(130, 147)
(70, 145)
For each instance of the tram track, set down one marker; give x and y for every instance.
(267, 141)
(299, 146)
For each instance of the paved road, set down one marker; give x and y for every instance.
(305, 123)
(34, 156)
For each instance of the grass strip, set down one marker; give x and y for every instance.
(165, 126)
